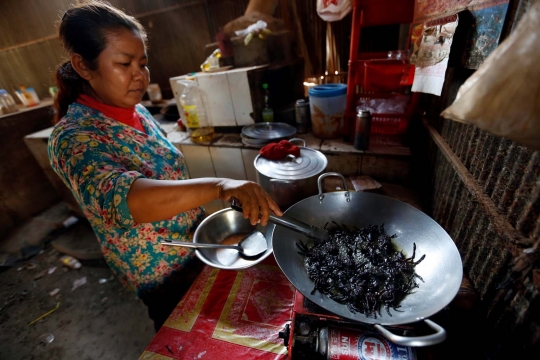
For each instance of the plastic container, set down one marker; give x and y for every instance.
(154, 93)
(327, 106)
(387, 75)
(193, 115)
(7, 103)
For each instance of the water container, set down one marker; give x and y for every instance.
(327, 105)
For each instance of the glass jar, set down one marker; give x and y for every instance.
(7, 102)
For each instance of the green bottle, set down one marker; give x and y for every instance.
(267, 113)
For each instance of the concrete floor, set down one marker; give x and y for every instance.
(97, 320)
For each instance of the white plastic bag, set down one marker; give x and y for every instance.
(258, 26)
(333, 10)
(503, 96)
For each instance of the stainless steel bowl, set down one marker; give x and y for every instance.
(225, 224)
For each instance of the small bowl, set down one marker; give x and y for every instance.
(228, 226)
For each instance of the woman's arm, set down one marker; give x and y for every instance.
(154, 200)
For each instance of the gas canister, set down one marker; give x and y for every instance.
(354, 344)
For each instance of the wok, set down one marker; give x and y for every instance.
(441, 269)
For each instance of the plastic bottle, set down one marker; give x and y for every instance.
(70, 262)
(7, 102)
(194, 115)
(267, 113)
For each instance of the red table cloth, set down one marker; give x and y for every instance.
(228, 314)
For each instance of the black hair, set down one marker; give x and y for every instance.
(83, 30)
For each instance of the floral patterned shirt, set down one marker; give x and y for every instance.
(98, 158)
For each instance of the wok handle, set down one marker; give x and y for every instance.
(200, 245)
(322, 176)
(416, 341)
(298, 139)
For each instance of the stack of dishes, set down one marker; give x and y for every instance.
(261, 134)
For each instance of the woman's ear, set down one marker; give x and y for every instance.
(79, 65)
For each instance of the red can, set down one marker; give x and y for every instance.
(354, 344)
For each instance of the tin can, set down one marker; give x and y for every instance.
(362, 129)
(354, 344)
(301, 109)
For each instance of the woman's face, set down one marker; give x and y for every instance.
(122, 74)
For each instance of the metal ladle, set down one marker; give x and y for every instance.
(252, 245)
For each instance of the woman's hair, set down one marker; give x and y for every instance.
(83, 30)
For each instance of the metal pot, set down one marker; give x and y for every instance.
(291, 179)
(441, 269)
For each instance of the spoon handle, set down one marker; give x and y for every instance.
(200, 245)
(311, 231)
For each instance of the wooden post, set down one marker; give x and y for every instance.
(264, 6)
(350, 109)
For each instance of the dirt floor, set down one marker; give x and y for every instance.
(98, 319)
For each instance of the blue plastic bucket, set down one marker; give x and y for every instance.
(327, 105)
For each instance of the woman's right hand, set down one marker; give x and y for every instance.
(257, 205)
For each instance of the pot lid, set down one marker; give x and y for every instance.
(269, 130)
(328, 90)
(310, 163)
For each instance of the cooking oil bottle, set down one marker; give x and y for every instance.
(193, 113)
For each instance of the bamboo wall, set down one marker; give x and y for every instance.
(178, 32)
(485, 191)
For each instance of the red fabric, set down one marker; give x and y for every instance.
(126, 116)
(276, 151)
(229, 315)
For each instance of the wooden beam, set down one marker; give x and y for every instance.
(29, 43)
(138, 16)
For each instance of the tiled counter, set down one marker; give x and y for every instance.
(227, 156)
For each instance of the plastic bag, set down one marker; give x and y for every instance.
(395, 104)
(503, 96)
(259, 28)
(333, 10)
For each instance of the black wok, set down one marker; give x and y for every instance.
(441, 269)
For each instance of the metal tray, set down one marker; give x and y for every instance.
(269, 130)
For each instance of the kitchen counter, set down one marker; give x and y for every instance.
(379, 146)
(227, 156)
(23, 109)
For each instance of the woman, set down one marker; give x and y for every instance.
(130, 181)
